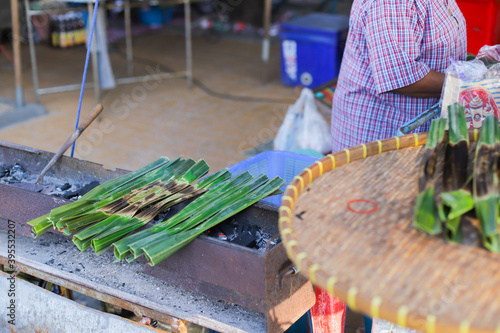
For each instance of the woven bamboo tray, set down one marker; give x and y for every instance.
(370, 255)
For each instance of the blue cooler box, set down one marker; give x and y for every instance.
(312, 48)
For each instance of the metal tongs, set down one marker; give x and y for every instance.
(93, 115)
(413, 124)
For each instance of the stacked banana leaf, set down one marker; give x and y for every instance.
(458, 186)
(211, 208)
(105, 216)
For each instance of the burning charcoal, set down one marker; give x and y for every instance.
(17, 172)
(221, 236)
(219, 233)
(213, 232)
(79, 192)
(250, 236)
(246, 235)
(64, 187)
(229, 229)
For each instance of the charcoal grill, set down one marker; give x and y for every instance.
(224, 271)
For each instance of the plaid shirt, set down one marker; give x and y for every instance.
(391, 44)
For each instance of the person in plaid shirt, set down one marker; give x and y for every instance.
(393, 66)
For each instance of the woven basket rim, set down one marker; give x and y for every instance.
(349, 294)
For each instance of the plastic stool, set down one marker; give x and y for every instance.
(328, 313)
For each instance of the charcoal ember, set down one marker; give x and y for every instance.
(161, 217)
(216, 232)
(229, 230)
(224, 231)
(64, 187)
(79, 192)
(251, 236)
(247, 235)
(213, 232)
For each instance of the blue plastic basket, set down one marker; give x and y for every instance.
(274, 163)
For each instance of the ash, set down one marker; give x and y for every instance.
(128, 280)
(250, 236)
(15, 175)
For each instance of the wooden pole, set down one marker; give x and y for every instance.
(266, 40)
(16, 41)
(267, 27)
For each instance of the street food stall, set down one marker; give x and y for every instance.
(221, 285)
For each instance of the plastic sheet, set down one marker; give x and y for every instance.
(476, 85)
(304, 127)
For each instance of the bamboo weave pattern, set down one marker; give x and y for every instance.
(379, 263)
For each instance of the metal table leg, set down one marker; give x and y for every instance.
(267, 26)
(34, 67)
(128, 38)
(17, 52)
(266, 41)
(95, 64)
(189, 55)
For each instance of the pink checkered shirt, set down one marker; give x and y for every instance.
(391, 44)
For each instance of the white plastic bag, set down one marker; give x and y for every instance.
(475, 85)
(304, 127)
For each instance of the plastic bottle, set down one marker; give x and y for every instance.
(74, 27)
(63, 34)
(70, 30)
(81, 37)
(54, 34)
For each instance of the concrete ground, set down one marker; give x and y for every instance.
(145, 120)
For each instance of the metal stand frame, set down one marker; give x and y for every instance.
(128, 43)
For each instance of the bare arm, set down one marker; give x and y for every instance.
(429, 86)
